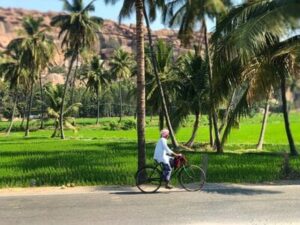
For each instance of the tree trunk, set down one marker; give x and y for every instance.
(98, 107)
(293, 150)
(213, 112)
(23, 119)
(211, 135)
(12, 115)
(56, 123)
(151, 116)
(141, 100)
(161, 120)
(121, 101)
(73, 81)
(263, 126)
(29, 109)
(199, 49)
(225, 119)
(42, 104)
(190, 143)
(161, 91)
(61, 116)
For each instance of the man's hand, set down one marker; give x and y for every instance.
(177, 155)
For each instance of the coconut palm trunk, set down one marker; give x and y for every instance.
(121, 101)
(56, 125)
(23, 109)
(98, 107)
(190, 143)
(263, 126)
(12, 115)
(23, 119)
(293, 150)
(213, 112)
(141, 93)
(161, 91)
(42, 100)
(161, 120)
(225, 118)
(74, 81)
(29, 108)
(211, 135)
(61, 116)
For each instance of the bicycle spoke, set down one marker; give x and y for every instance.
(148, 179)
(192, 178)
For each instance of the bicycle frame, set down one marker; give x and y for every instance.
(175, 171)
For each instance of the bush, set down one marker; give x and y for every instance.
(128, 124)
(113, 125)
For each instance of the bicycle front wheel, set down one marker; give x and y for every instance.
(148, 179)
(192, 178)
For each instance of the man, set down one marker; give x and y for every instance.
(163, 154)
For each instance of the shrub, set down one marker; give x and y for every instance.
(113, 125)
(128, 124)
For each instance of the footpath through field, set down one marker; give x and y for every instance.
(216, 204)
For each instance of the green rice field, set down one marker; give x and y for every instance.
(100, 155)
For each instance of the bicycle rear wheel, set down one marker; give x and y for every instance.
(148, 179)
(192, 178)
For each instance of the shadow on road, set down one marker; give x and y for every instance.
(141, 193)
(223, 189)
(237, 190)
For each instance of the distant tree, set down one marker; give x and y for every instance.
(194, 94)
(78, 31)
(121, 69)
(11, 72)
(54, 101)
(97, 79)
(167, 78)
(36, 50)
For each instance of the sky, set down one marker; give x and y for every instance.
(102, 10)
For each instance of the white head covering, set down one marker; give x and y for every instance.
(164, 133)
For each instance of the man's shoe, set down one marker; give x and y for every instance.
(168, 186)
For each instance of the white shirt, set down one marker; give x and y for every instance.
(161, 151)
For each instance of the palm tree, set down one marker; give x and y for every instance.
(11, 72)
(54, 101)
(268, 69)
(121, 68)
(245, 26)
(152, 8)
(140, 59)
(149, 8)
(260, 143)
(36, 50)
(167, 78)
(188, 14)
(78, 32)
(97, 79)
(249, 29)
(192, 71)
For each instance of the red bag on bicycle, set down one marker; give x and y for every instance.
(179, 161)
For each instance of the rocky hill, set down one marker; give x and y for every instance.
(111, 36)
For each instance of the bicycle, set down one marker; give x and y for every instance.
(149, 178)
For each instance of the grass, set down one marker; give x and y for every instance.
(94, 155)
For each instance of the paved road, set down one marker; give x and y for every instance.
(217, 204)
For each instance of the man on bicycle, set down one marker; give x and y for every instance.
(163, 154)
